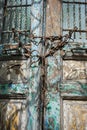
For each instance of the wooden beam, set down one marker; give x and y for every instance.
(53, 16)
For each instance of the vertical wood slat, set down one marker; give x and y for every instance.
(35, 85)
(20, 12)
(52, 101)
(64, 17)
(23, 1)
(71, 19)
(86, 18)
(53, 17)
(61, 114)
(17, 16)
(74, 15)
(76, 11)
(83, 25)
(1, 14)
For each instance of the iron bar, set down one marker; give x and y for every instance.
(16, 31)
(15, 57)
(73, 2)
(17, 6)
(32, 36)
(75, 57)
(13, 96)
(4, 18)
(84, 31)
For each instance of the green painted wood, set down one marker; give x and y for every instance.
(73, 88)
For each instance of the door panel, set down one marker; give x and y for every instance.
(74, 115)
(13, 115)
(75, 70)
(15, 71)
(14, 76)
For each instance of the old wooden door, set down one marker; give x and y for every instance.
(19, 82)
(14, 69)
(74, 82)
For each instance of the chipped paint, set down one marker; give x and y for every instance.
(34, 117)
(75, 70)
(17, 76)
(75, 115)
(12, 114)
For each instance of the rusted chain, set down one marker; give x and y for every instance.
(61, 41)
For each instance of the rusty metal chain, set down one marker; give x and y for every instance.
(26, 49)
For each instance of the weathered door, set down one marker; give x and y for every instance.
(73, 87)
(19, 82)
(13, 70)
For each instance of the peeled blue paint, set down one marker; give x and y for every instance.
(13, 88)
(52, 116)
(74, 88)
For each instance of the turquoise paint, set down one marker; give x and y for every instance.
(52, 110)
(13, 88)
(74, 88)
(34, 80)
(52, 115)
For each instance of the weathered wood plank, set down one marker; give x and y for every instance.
(65, 16)
(35, 105)
(75, 70)
(83, 21)
(13, 114)
(73, 89)
(53, 64)
(53, 17)
(1, 16)
(75, 115)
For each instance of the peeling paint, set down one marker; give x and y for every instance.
(75, 115)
